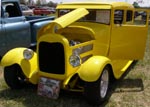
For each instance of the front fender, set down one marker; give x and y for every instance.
(91, 70)
(29, 67)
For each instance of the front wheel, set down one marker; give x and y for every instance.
(14, 77)
(97, 92)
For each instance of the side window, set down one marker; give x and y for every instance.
(11, 9)
(129, 15)
(118, 16)
(140, 17)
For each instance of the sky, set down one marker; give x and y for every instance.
(142, 3)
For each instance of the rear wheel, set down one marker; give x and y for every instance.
(14, 77)
(97, 92)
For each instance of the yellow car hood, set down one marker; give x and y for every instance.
(63, 21)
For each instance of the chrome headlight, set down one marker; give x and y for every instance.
(74, 60)
(28, 54)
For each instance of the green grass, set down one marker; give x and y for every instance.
(131, 91)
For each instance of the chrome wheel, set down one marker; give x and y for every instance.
(97, 92)
(104, 83)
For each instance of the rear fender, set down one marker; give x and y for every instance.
(91, 70)
(29, 67)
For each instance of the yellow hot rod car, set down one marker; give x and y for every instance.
(87, 45)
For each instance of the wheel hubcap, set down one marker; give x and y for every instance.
(104, 83)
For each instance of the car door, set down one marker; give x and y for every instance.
(128, 37)
(16, 29)
(2, 34)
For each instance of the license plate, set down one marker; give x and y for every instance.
(49, 87)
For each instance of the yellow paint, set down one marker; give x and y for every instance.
(62, 22)
(120, 67)
(102, 36)
(68, 52)
(29, 67)
(117, 45)
(91, 70)
(94, 5)
(128, 42)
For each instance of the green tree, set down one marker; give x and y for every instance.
(23, 1)
(52, 4)
(38, 2)
(135, 4)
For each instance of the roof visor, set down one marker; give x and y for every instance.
(64, 21)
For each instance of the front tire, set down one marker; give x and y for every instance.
(97, 92)
(14, 77)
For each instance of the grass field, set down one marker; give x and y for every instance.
(131, 91)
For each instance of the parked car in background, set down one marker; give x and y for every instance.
(17, 29)
(26, 10)
(43, 11)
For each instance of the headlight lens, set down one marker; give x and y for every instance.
(74, 60)
(28, 54)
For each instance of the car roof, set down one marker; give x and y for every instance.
(95, 5)
(10, 0)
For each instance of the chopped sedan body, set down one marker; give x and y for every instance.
(87, 46)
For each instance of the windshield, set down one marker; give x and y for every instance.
(95, 15)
